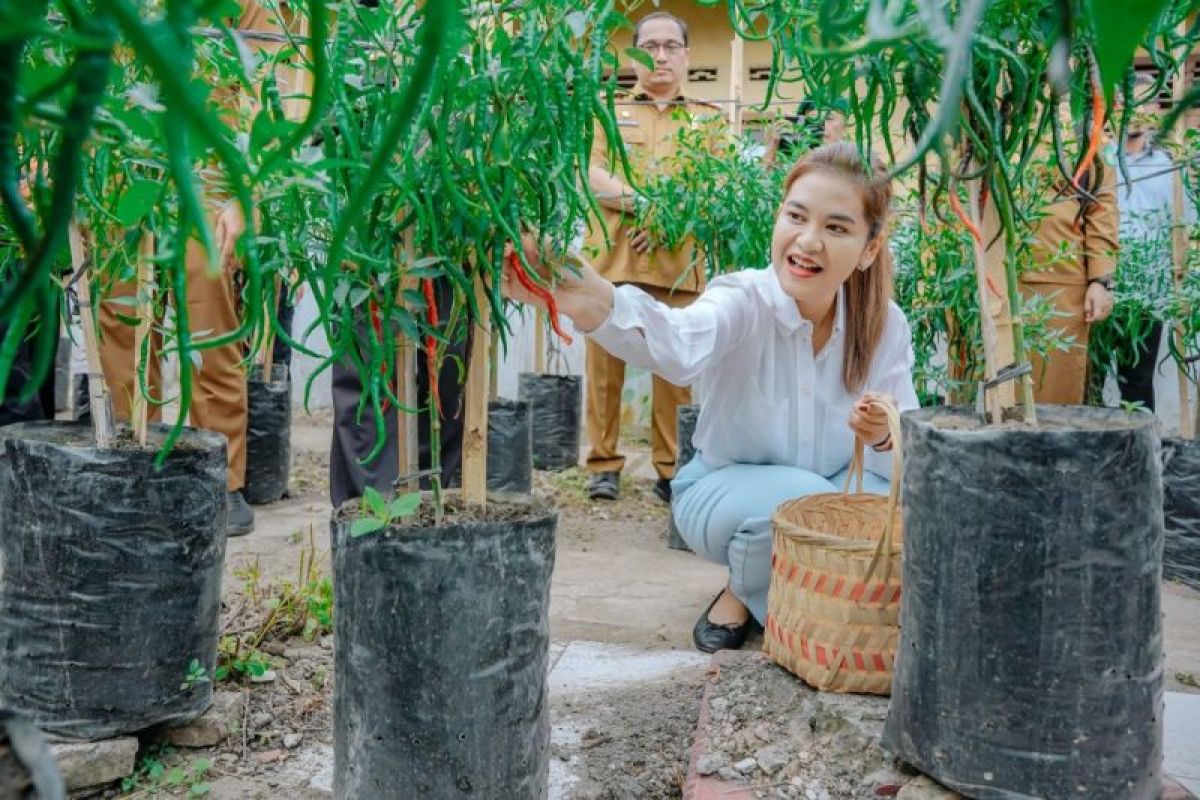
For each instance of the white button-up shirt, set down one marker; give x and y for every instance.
(767, 398)
(1147, 205)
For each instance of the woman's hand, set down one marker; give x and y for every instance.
(585, 298)
(869, 421)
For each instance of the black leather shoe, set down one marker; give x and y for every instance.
(604, 486)
(241, 516)
(710, 637)
(662, 490)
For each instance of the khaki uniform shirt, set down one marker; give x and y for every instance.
(649, 134)
(1091, 248)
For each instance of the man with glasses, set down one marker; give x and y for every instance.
(649, 118)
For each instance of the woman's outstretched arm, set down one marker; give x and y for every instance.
(677, 344)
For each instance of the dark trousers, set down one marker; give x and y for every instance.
(1135, 377)
(354, 438)
(40, 405)
(281, 352)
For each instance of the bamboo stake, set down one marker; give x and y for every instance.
(474, 454)
(1187, 426)
(993, 311)
(539, 342)
(140, 410)
(494, 366)
(407, 440)
(300, 81)
(737, 58)
(101, 402)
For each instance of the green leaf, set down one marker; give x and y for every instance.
(175, 777)
(362, 527)
(137, 202)
(375, 503)
(199, 790)
(405, 505)
(1121, 25)
(641, 56)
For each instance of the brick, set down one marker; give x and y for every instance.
(222, 718)
(85, 764)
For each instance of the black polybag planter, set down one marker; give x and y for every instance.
(110, 577)
(1030, 660)
(268, 435)
(1181, 511)
(685, 428)
(441, 660)
(510, 447)
(557, 402)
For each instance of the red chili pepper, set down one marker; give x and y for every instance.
(1096, 132)
(377, 326)
(431, 344)
(956, 205)
(514, 261)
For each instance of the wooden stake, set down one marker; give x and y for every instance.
(1187, 426)
(736, 60)
(300, 79)
(539, 341)
(140, 411)
(475, 429)
(494, 366)
(994, 313)
(101, 403)
(407, 440)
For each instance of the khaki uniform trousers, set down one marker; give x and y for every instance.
(219, 401)
(605, 382)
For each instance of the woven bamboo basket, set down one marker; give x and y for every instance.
(833, 610)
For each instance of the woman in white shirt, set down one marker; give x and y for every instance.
(787, 361)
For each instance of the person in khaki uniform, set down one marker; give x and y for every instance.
(1075, 248)
(648, 118)
(219, 399)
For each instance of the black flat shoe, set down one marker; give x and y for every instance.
(710, 637)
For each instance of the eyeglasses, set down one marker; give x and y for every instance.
(670, 48)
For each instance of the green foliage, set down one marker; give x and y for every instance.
(1121, 25)
(378, 513)
(158, 772)
(430, 145)
(238, 659)
(716, 192)
(302, 606)
(196, 674)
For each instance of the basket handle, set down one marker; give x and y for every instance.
(857, 465)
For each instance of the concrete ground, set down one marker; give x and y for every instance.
(622, 610)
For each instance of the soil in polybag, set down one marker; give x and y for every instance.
(268, 435)
(685, 429)
(1181, 511)
(557, 402)
(510, 447)
(443, 638)
(1030, 661)
(110, 577)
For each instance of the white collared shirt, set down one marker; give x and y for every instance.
(766, 398)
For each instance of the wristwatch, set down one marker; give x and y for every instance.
(1106, 282)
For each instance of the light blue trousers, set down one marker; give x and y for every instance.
(725, 516)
